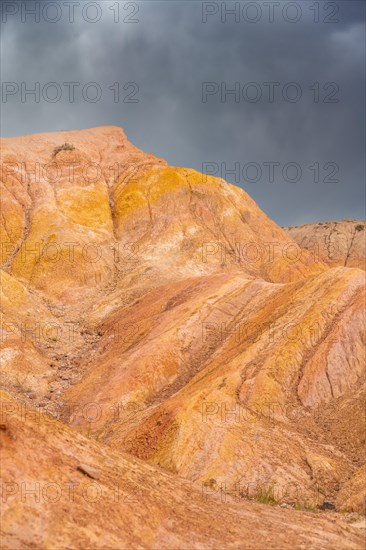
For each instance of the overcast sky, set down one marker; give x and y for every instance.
(294, 130)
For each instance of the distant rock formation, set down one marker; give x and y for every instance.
(335, 243)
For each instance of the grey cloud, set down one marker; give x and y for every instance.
(169, 54)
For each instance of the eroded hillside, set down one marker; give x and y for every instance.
(335, 243)
(175, 331)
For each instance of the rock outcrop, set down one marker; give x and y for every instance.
(170, 325)
(334, 243)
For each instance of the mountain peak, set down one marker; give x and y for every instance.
(164, 315)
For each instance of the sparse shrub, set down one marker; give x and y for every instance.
(321, 489)
(64, 147)
(266, 496)
(360, 227)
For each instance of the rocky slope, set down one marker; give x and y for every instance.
(334, 243)
(62, 490)
(161, 313)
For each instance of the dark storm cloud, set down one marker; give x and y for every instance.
(170, 52)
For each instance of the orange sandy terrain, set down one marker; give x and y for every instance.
(164, 341)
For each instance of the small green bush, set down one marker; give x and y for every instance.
(360, 227)
(266, 497)
(64, 147)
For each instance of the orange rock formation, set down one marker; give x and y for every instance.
(176, 332)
